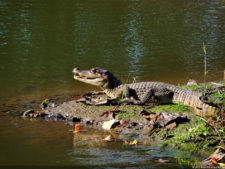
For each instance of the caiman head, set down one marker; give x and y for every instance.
(96, 76)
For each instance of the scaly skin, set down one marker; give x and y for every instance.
(141, 93)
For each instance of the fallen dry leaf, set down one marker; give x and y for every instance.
(162, 160)
(221, 164)
(214, 160)
(134, 142)
(108, 138)
(77, 128)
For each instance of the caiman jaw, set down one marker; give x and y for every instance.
(88, 76)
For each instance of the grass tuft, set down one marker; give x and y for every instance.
(200, 87)
(172, 108)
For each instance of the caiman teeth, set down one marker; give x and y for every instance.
(82, 77)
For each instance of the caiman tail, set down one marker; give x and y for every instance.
(192, 99)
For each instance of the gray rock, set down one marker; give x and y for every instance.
(191, 82)
(76, 119)
(88, 121)
(168, 118)
(219, 154)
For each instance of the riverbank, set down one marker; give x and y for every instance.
(173, 126)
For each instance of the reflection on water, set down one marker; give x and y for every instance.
(42, 41)
(90, 150)
(133, 39)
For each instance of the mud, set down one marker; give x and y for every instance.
(135, 121)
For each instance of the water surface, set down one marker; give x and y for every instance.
(27, 142)
(42, 40)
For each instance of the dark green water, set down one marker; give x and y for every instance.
(42, 40)
(40, 143)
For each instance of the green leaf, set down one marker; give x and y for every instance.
(197, 117)
(219, 147)
(221, 131)
(205, 133)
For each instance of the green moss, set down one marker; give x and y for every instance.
(126, 116)
(198, 87)
(172, 108)
(129, 112)
(222, 82)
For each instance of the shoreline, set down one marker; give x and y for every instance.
(134, 122)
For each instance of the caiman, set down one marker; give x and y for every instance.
(142, 92)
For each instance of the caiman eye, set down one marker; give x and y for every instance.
(98, 71)
(105, 74)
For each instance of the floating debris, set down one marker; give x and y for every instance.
(134, 142)
(162, 161)
(26, 113)
(77, 128)
(108, 138)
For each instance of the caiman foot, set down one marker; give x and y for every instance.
(96, 99)
(132, 101)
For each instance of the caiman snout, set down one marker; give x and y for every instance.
(93, 76)
(76, 70)
(90, 74)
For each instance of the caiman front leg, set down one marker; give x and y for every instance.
(95, 98)
(129, 93)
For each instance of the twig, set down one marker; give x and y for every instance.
(205, 64)
(218, 133)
